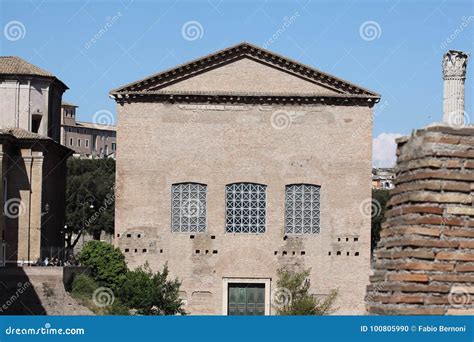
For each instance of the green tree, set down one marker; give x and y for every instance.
(380, 198)
(106, 262)
(293, 297)
(90, 198)
(151, 293)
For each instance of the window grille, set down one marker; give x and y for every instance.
(245, 208)
(302, 209)
(188, 205)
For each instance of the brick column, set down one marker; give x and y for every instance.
(424, 261)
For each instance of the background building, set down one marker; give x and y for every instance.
(383, 178)
(85, 138)
(31, 98)
(241, 175)
(32, 163)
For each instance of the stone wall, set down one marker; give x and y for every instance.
(37, 291)
(424, 262)
(221, 144)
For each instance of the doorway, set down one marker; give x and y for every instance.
(246, 299)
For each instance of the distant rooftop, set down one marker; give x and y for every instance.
(68, 104)
(95, 126)
(14, 65)
(21, 133)
(17, 66)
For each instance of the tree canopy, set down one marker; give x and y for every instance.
(90, 198)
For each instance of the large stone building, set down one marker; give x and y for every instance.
(252, 162)
(87, 139)
(32, 163)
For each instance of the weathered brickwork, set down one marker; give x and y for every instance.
(425, 257)
(215, 122)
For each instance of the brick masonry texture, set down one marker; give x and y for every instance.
(424, 261)
(221, 147)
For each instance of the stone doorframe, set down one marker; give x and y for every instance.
(229, 280)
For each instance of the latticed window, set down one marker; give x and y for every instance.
(245, 208)
(302, 209)
(188, 205)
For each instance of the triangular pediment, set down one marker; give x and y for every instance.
(247, 75)
(245, 69)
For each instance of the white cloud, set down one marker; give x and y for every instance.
(384, 149)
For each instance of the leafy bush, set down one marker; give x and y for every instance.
(83, 288)
(145, 292)
(151, 293)
(83, 285)
(294, 286)
(107, 264)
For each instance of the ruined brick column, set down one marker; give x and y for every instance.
(424, 262)
(454, 75)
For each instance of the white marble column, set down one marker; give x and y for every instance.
(454, 74)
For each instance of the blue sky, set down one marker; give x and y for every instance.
(392, 47)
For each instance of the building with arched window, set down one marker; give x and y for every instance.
(252, 162)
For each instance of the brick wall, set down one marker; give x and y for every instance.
(424, 262)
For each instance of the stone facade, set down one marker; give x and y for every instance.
(87, 139)
(425, 258)
(245, 115)
(33, 173)
(32, 163)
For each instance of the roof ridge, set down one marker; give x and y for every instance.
(312, 74)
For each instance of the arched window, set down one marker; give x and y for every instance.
(302, 209)
(245, 208)
(188, 207)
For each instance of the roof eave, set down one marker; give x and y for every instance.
(244, 46)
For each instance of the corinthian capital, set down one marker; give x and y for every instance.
(454, 64)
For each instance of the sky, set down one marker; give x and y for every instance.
(393, 47)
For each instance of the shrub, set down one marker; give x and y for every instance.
(293, 287)
(83, 285)
(106, 262)
(151, 293)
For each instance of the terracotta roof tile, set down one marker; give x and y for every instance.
(21, 133)
(16, 66)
